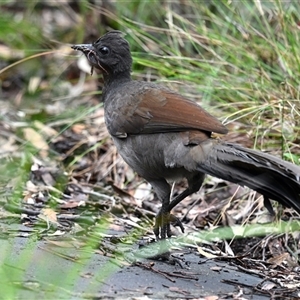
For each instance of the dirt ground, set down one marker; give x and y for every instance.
(199, 278)
(63, 268)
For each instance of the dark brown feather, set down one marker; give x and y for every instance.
(160, 111)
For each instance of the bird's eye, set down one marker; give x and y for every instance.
(104, 50)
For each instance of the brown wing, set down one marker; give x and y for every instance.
(156, 111)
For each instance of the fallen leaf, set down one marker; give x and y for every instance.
(206, 254)
(48, 214)
(78, 128)
(37, 140)
(72, 204)
(278, 260)
(268, 286)
(47, 130)
(211, 298)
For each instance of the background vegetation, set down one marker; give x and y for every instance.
(239, 59)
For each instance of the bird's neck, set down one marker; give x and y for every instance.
(113, 80)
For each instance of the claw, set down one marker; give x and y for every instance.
(162, 226)
(176, 222)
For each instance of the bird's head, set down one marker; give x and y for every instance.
(110, 54)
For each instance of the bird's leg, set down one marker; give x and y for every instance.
(194, 185)
(164, 219)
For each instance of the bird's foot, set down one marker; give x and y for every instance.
(162, 227)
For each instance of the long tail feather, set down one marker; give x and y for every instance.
(272, 177)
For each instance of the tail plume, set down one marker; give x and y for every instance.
(270, 176)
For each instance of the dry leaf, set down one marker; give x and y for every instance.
(37, 140)
(48, 131)
(48, 214)
(78, 128)
(31, 187)
(72, 204)
(278, 260)
(268, 286)
(206, 254)
(211, 298)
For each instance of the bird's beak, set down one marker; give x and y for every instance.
(89, 51)
(83, 47)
